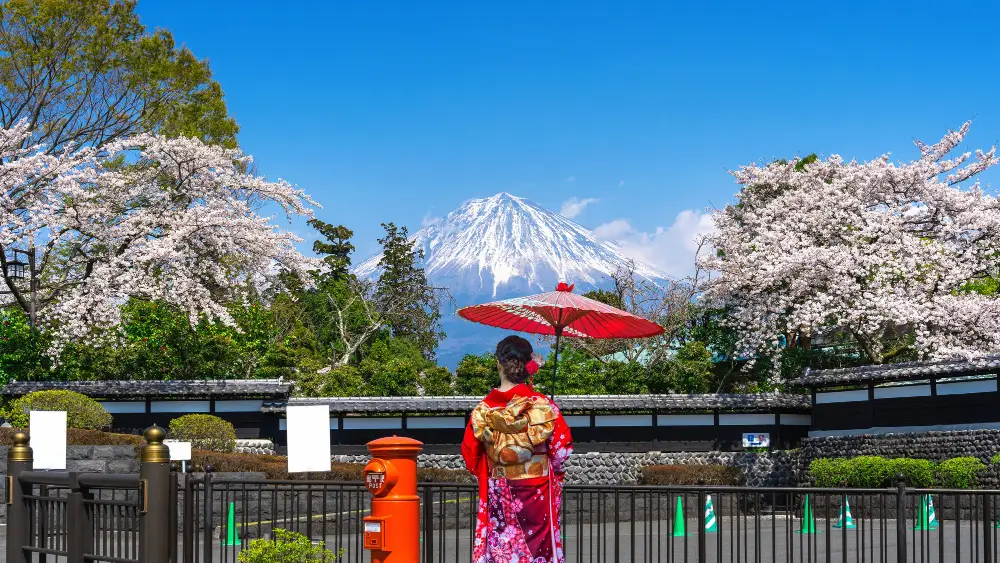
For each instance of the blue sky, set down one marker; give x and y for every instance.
(400, 111)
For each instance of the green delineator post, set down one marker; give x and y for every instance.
(679, 531)
(845, 521)
(711, 523)
(808, 522)
(232, 538)
(926, 520)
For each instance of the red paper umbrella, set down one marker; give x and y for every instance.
(561, 313)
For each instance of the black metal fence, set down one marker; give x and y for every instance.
(89, 517)
(153, 518)
(94, 516)
(621, 523)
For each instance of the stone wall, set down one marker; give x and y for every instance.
(263, 447)
(776, 469)
(935, 446)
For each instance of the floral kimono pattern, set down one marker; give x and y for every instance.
(515, 444)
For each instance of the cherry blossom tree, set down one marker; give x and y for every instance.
(150, 217)
(870, 249)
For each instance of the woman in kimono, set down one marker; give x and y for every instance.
(516, 444)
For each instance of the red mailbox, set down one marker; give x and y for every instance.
(392, 532)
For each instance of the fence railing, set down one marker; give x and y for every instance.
(89, 517)
(150, 517)
(624, 523)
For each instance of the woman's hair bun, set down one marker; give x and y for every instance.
(514, 353)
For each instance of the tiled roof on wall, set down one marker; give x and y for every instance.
(671, 402)
(902, 371)
(257, 388)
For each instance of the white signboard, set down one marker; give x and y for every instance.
(762, 440)
(308, 428)
(47, 431)
(179, 451)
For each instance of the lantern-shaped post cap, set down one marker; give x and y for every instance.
(155, 451)
(20, 451)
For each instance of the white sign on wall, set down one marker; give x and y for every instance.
(179, 451)
(759, 440)
(308, 437)
(47, 438)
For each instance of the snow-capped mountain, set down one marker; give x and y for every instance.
(500, 247)
(502, 244)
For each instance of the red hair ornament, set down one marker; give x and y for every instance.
(531, 368)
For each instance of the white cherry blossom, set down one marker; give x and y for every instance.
(149, 217)
(863, 247)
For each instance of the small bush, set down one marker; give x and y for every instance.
(871, 472)
(205, 432)
(287, 546)
(681, 475)
(81, 411)
(917, 473)
(960, 473)
(995, 460)
(829, 472)
(868, 472)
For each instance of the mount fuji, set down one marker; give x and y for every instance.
(504, 246)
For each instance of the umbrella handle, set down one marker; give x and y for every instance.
(555, 367)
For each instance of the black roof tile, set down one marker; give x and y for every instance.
(257, 388)
(568, 403)
(902, 371)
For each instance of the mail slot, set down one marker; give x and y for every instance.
(375, 533)
(391, 478)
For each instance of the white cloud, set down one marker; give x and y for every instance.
(614, 230)
(621, 183)
(571, 179)
(671, 249)
(575, 206)
(429, 220)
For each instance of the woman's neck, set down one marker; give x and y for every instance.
(506, 386)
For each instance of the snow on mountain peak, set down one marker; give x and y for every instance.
(507, 244)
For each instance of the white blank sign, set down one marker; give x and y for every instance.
(308, 438)
(179, 451)
(47, 432)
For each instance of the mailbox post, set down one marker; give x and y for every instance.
(392, 532)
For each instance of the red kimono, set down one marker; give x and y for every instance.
(515, 444)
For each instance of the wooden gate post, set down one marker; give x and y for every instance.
(19, 460)
(154, 501)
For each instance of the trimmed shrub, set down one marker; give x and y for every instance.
(681, 475)
(960, 473)
(205, 432)
(287, 546)
(868, 472)
(81, 411)
(829, 472)
(78, 437)
(871, 472)
(918, 473)
(276, 467)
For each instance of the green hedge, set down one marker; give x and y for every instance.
(77, 437)
(827, 472)
(874, 472)
(205, 432)
(917, 473)
(960, 473)
(81, 411)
